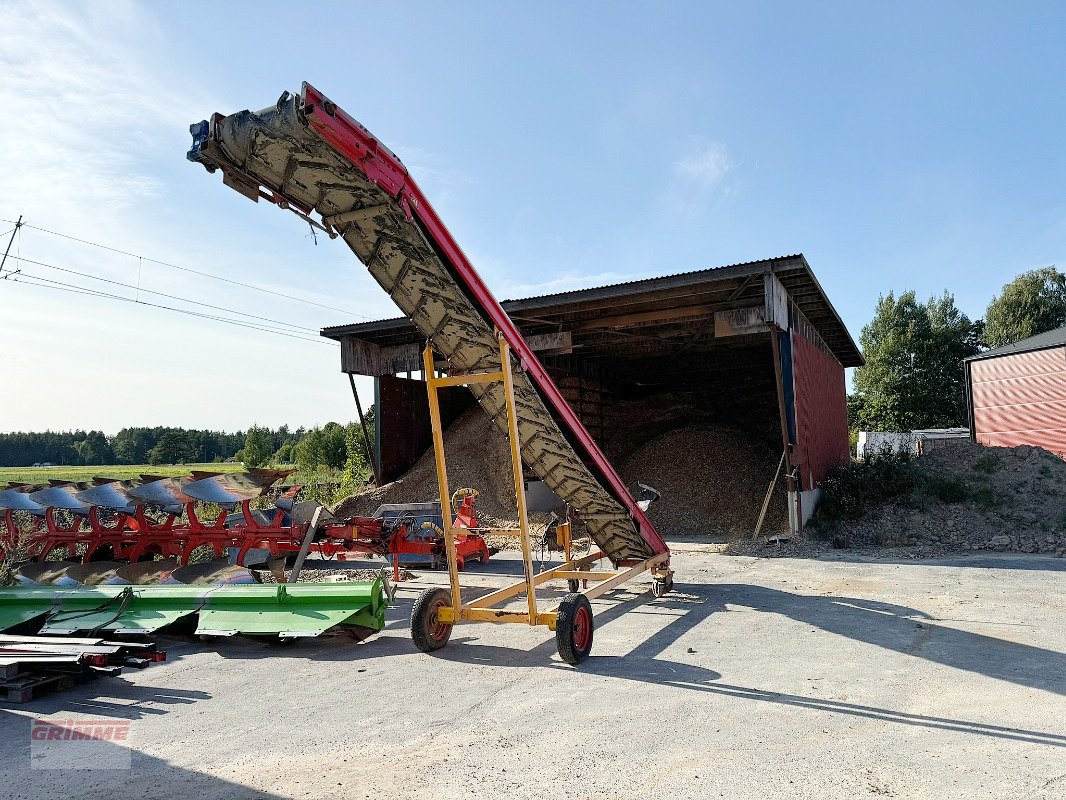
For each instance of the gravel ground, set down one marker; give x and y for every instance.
(826, 678)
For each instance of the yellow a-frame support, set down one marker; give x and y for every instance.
(437, 610)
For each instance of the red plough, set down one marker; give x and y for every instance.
(158, 517)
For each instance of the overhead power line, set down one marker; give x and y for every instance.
(47, 283)
(201, 273)
(301, 328)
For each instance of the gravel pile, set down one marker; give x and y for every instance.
(713, 480)
(967, 498)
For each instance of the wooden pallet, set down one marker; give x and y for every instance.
(29, 686)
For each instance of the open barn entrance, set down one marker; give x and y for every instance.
(689, 383)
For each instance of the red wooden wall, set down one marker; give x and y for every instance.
(821, 412)
(1020, 399)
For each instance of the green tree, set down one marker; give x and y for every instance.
(131, 445)
(334, 446)
(94, 449)
(356, 469)
(258, 447)
(308, 451)
(913, 377)
(284, 454)
(173, 447)
(1032, 303)
(322, 447)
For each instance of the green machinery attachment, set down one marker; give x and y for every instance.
(283, 610)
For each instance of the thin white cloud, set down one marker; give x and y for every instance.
(72, 77)
(96, 107)
(698, 178)
(442, 182)
(706, 167)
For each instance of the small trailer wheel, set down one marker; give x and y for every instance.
(573, 584)
(429, 634)
(573, 629)
(660, 586)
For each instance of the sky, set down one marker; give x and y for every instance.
(566, 145)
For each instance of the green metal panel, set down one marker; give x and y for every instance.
(130, 609)
(283, 610)
(21, 605)
(293, 610)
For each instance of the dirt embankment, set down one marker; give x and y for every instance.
(960, 498)
(981, 498)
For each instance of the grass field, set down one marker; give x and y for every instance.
(121, 471)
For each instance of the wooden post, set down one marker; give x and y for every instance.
(790, 471)
(370, 454)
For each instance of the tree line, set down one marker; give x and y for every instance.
(139, 445)
(332, 446)
(914, 377)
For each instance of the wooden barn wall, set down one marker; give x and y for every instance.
(821, 412)
(1020, 399)
(404, 432)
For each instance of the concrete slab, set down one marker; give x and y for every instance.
(755, 678)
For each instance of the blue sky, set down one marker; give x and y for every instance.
(904, 145)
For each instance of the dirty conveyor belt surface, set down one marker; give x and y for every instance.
(306, 154)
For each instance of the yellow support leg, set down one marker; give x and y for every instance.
(484, 609)
(519, 482)
(442, 479)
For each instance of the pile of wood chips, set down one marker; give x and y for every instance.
(712, 478)
(713, 481)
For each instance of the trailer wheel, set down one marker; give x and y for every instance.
(573, 628)
(661, 586)
(573, 584)
(429, 634)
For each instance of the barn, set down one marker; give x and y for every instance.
(757, 347)
(1016, 394)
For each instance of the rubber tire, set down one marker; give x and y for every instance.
(574, 627)
(659, 588)
(573, 585)
(427, 634)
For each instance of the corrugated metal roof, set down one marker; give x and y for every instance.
(1053, 338)
(578, 295)
(829, 325)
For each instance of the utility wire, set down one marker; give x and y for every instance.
(101, 293)
(168, 296)
(46, 283)
(252, 286)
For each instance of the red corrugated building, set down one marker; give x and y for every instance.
(1017, 393)
(757, 347)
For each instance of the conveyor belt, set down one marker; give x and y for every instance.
(305, 154)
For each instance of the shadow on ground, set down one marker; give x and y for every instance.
(892, 627)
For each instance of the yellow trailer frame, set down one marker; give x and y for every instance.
(437, 610)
